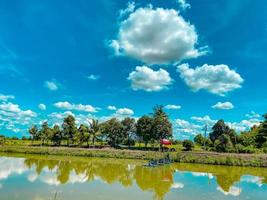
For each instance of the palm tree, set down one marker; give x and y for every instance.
(94, 127)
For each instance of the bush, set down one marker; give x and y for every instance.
(188, 145)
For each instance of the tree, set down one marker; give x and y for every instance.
(113, 131)
(223, 143)
(144, 128)
(69, 128)
(2, 139)
(84, 134)
(34, 132)
(162, 127)
(261, 137)
(218, 129)
(56, 135)
(94, 128)
(199, 139)
(45, 132)
(188, 145)
(128, 129)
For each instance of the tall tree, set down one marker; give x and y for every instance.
(128, 129)
(144, 128)
(113, 131)
(94, 128)
(219, 129)
(261, 137)
(84, 134)
(162, 127)
(69, 128)
(45, 132)
(56, 135)
(34, 133)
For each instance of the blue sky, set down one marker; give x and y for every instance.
(203, 60)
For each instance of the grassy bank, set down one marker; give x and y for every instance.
(253, 160)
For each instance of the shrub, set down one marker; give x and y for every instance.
(188, 145)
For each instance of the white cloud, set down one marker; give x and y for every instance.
(173, 107)
(6, 97)
(51, 85)
(217, 79)
(42, 106)
(253, 179)
(145, 78)
(183, 4)
(204, 120)
(93, 77)
(223, 106)
(11, 166)
(177, 185)
(253, 114)
(157, 36)
(10, 109)
(78, 107)
(244, 125)
(233, 191)
(129, 9)
(111, 108)
(125, 111)
(14, 118)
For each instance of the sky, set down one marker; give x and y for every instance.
(202, 60)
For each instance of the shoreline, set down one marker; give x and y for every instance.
(214, 158)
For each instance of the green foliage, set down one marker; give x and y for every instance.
(83, 134)
(69, 128)
(2, 140)
(56, 135)
(223, 143)
(34, 133)
(45, 132)
(261, 137)
(94, 129)
(188, 145)
(144, 128)
(199, 139)
(162, 127)
(129, 129)
(113, 130)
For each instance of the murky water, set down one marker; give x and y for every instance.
(47, 178)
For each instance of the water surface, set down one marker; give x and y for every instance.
(71, 178)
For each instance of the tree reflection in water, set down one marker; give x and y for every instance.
(159, 179)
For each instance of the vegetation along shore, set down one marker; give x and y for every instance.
(128, 138)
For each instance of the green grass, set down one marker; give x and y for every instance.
(231, 159)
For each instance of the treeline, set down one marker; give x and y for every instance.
(224, 139)
(147, 129)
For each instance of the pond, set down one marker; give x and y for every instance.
(34, 177)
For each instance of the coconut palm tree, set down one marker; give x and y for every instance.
(94, 127)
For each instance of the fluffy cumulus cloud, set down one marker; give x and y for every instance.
(12, 117)
(156, 36)
(124, 111)
(145, 78)
(172, 107)
(217, 79)
(42, 106)
(223, 106)
(11, 109)
(6, 97)
(51, 85)
(65, 105)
